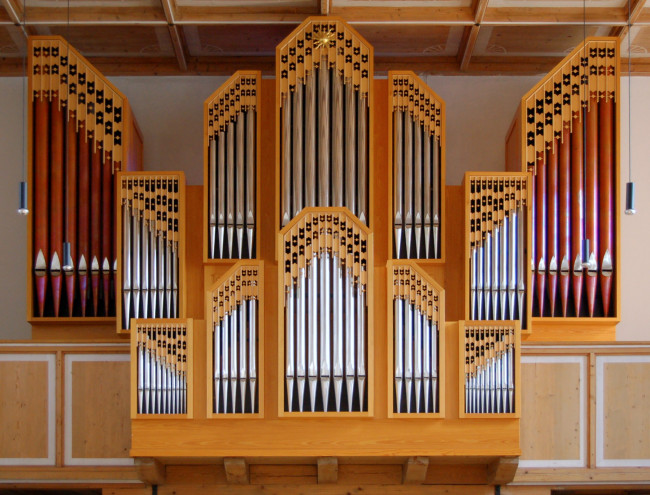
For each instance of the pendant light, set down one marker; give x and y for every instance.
(629, 189)
(23, 207)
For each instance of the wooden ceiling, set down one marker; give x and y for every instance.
(147, 37)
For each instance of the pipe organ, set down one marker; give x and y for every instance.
(324, 266)
(417, 116)
(417, 316)
(232, 130)
(569, 141)
(234, 339)
(324, 93)
(495, 253)
(161, 349)
(151, 260)
(489, 352)
(81, 132)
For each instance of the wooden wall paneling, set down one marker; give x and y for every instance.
(96, 421)
(194, 273)
(555, 398)
(27, 409)
(455, 258)
(622, 404)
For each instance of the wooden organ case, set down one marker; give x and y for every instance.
(81, 133)
(301, 359)
(566, 135)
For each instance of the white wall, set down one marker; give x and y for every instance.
(479, 112)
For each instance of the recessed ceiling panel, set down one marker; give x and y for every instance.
(118, 41)
(545, 4)
(535, 41)
(235, 39)
(640, 43)
(411, 39)
(403, 4)
(246, 4)
(96, 4)
(12, 42)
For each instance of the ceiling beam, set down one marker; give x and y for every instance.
(94, 16)
(470, 35)
(15, 12)
(555, 16)
(635, 12)
(169, 8)
(324, 7)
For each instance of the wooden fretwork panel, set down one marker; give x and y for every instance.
(554, 398)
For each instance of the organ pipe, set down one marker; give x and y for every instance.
(232, 129)
(418, 166)
(324, 93)
(79, 127)
(569, 134)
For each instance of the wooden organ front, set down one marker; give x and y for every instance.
(296, 337)
(281, 280)
(566, 135)
(81, 133)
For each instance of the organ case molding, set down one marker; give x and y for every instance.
(295, 249)
(56, 71)
(548, 114)
(410, 94)
(177, 231)
(516, 192)
(239, 95)
(252, 272)
(298, 59)
(435, 301)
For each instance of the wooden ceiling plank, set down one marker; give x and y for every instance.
(419, 15)
(542, 16)
(91, 16)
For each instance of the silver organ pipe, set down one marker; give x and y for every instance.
(162, 365)
(490, 358)
(232, 127)
(417, 322)
(235, 333)
(498, 226)
(324, 84)
(418, 167)
(325, 263)
(152, 249)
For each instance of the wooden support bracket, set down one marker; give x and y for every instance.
(150, 471)
(328, 470)
(236, 470)
(415, 470)
(502, 470)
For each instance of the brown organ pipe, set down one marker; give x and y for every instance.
(362, 157)
(107, 228)
(71, 204)
(95, 221)
(286, 160)
(564, 178)
(337, 139)
(540, 225)
(83, 216)
(533, 244)
(576, 211)
(56, 200)
(591, 198)
(552, 220)
(41, 197)
(606, 207)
